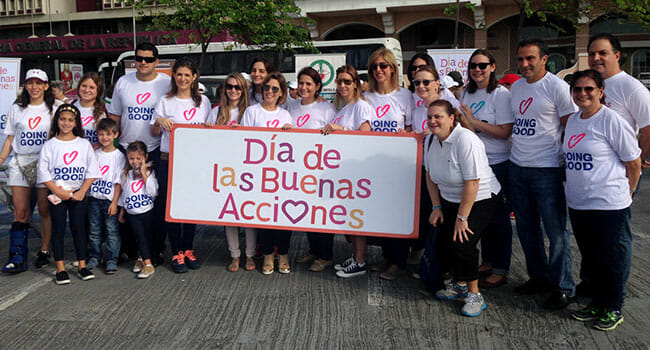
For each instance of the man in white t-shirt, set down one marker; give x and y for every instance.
(541, 103)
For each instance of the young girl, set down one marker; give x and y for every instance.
(139, 190)
(91, 105)
(67, 166)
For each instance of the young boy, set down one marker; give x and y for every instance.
(104, 193)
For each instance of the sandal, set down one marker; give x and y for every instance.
(234, 265)
(250, 264)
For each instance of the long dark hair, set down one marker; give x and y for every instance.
(426, 58)
(48, 97)
(99, 105)
(66, 107)
(194, 89)
(492, 83)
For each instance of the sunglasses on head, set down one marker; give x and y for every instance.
(415, 68)
(347, 82)
(481, 65)
(146, 59)
(424, 82)
(274, 89)
(231, 87)
(587, 89)
(382, 65)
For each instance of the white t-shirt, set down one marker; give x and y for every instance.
(391, 111)
(111, 165)
(261, 118)
(30, 126)
(135, 101)
(461, 157)
(444, 95)
(353, 115)
(88, 123)
(180, 111)
(595, 150)
(629, 98)
(493, 108)
(234, 115)
(69, 161)
(137, 196)
(537, 130)
(312, 116)
(419, 118)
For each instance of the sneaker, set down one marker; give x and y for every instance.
(178, 263)
(139, 265)
(343, 265)
(352, 270)
(609, 321)
(589, 313)
(42, 259)
(474, 305)
(307, 258)
(451, 291)
(92, 263)
(147, 271)
(111, 268)
(62, 278)
(190, 260)
(391, 273)
(85, 274)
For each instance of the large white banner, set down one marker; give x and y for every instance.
(9, 83)
(450, 60)
(347, 182)
(326, 65)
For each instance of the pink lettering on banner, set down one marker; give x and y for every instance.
(573, 140)
(33, 122)
(70, 157)
(189, 114)
(104, 169)
(523, 106)
(142, 98)
(302, 120)
(382, 110)
(424, 125)
(273, 123)
(136, 185)
(337, 120)
(85, 121)
(419, 103)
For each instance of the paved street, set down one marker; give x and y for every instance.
(212, 308)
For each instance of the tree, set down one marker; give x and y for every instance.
(267, 24)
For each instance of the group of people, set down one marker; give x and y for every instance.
(488, 152)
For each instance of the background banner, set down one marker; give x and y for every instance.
(450, 60)
(9, 83)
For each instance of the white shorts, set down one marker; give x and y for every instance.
(16, 177)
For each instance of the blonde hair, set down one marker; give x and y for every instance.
(223, 117)
(389, 57)
(339, 101)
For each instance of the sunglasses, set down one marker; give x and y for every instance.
(416, 68)
(480, 66)
(274, 89)
(424, 82)
(587, 89)
(381, 65)
(146, 59)
(233, 87)
(347, 82)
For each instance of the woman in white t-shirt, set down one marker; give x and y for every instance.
(463, 192)
(486, 106)
(182, 105)
(91, 105)
(603, 166)
(269, 114)
(27, 127)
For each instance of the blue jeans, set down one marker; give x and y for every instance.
(101, 222)
(538, 193)
(496, 243)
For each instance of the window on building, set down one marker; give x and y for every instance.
(640, 62)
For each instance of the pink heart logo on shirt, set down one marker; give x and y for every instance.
(573, 140)
(85, 121)
(70, 157)
(137, 185)
(141, 98)
(33, 122)
(273, 123)
(382, 110)
(424, 125)
(302, 120)
(104, 169)
(189, 114)
(337, 120)
(232, 122)
(523, 106)
(419, 103)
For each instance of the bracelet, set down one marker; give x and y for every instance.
(436, 207)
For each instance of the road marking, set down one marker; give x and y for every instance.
(12, 299)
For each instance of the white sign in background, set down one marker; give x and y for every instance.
(451, 60)
(9, 82)
(326, 65)
(381, 174)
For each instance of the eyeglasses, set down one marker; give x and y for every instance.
(233, 87)
(274, 89)
(424, 82)
(416, 68)
(347, 82)
(587, 89)
(382, 65)
(480, 66)
(146, 59)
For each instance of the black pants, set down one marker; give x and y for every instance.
(270, 238)
(461, 259)
(76, 211)
(141, 226)
(181, 236)
(321, 245)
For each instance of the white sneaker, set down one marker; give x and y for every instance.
(147, 271)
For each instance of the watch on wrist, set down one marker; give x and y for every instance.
(461, 217)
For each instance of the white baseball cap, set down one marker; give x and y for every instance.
(293, 84)
(448, 82)
(246, 76)
(202, 88)
(36, 74)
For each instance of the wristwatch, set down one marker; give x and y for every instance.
(461, 217)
